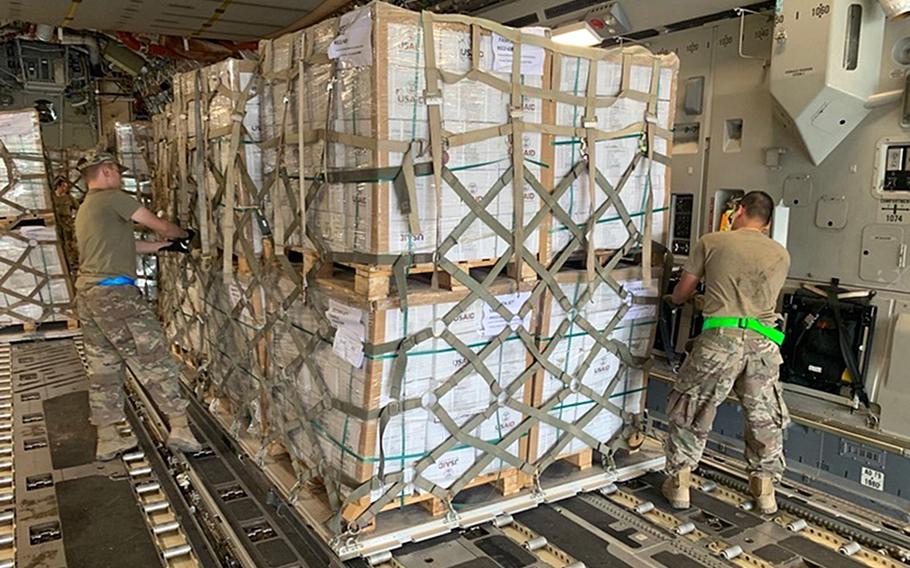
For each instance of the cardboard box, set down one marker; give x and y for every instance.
(584, 361)
(229, 166)
(134, 146)
(280, 126)
(360, 120)
(35, 283)
(24, 184)
(356, 369)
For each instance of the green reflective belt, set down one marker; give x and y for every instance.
(745, 323)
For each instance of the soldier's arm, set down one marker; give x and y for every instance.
(692, 272)
(685, 289)
(164, 228)
(150, 247)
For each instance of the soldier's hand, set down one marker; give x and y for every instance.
(182, 246)
(190, 237)
(668, 299)
(699, 302)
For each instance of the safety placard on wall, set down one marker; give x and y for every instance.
(873, 478)
(894, 211)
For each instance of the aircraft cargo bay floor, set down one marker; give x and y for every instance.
(60, 490)
(69, 511)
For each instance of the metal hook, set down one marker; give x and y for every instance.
(742, 12)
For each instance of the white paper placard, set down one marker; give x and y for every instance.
(493, 323)
(348, 346)
(350, 332)
(235, 294)
(873, 478)
(340, 314)
(354, 43)
(532, 56)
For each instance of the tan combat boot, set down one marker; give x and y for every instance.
(762, 488)
(676, 488)
(111, 443)
(181, 438)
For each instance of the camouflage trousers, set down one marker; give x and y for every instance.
(119, 327)
(723, 360)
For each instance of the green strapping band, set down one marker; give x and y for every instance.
(418, 455)
(612, 219)
(745, 323)
(371, 355)
(617, 328)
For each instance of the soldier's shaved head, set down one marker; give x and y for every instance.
(758, 206)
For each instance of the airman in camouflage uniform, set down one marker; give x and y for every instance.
(119, 326)
(722, 361)
(65, 207)
(744, 272)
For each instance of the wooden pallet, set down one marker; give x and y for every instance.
(45, 218)
(375, 282)
(504, 483)
(582, 459)
(32, 327)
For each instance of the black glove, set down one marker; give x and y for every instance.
(183, 245)
(176, 246)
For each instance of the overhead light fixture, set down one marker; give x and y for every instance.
(609, 20)
(579, 34)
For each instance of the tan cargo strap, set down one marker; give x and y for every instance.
(650, 120)
(433, 100)
(349, 491)
(15, 176)
(280, 176)
(203, 214)
(231, 186)
(589, 122)
(407, 189)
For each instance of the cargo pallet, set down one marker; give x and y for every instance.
(398, 526)
(250, 313)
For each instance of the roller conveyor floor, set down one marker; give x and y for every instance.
(69, 509)
(215, 508)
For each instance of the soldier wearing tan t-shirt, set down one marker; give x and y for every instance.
(738, 349)
(118, 325)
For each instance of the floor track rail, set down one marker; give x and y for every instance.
(7, 465)
(164, 512)
(218, 508)
(242, 516)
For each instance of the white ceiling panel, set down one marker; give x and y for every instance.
(252, 19)
(643, 14)
(240, 20)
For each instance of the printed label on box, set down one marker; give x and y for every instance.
(340, 314)
(354, 43)
(493, 323)
(350, 333)
(349, 346)
(234, 293)
(532, 56)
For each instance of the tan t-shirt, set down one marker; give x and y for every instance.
(743, 271)
(104, 236)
